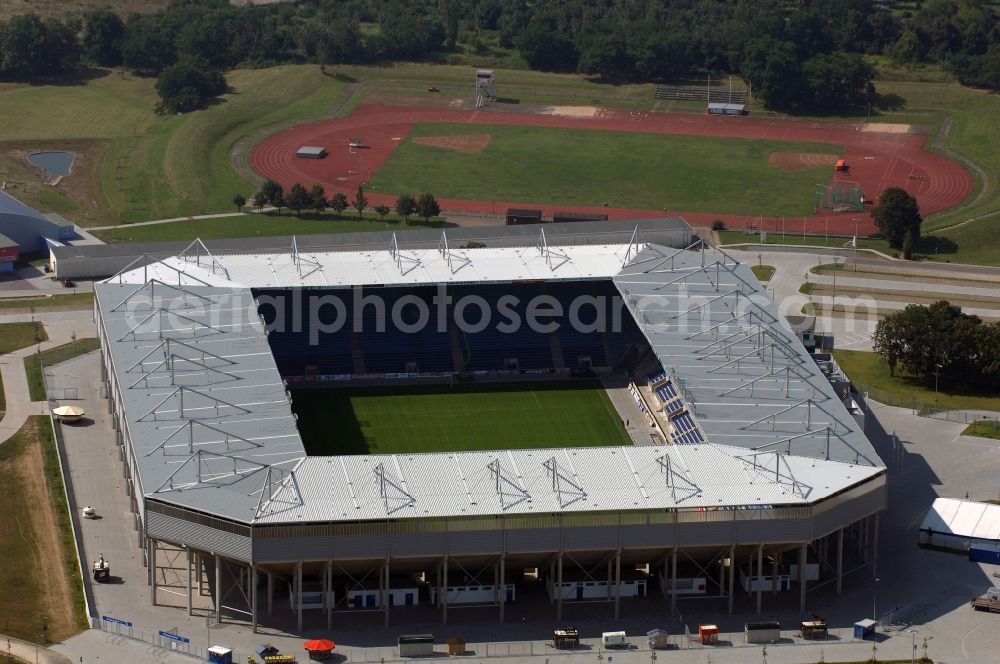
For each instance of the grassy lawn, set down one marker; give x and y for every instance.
(869, 371)
(762, 272)
(34, 363)
(984, 429)
(62, 300)
(45, 599)
(264, 225)
(165, 166)
(578, 167)
(15, 336)
(739, 237)
(464, 417)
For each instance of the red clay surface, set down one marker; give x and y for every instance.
(876, 160)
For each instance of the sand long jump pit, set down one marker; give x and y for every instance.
(887, 128)
(467, 143)
(571, 111)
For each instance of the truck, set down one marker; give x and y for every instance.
(988, 601)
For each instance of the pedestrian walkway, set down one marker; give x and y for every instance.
(31, 652)
(15, 381)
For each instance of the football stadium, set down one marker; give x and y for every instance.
(408, 427)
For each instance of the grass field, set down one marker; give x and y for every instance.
(162, 166)
(624, 169)
(59, 301)
(268, 224)
(45, 598)
(984, 429)
(464, 417)
(870, 372)
(15, 336)
(35, 363)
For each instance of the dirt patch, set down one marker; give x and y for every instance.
(82, 187)
(800, 161)
(468, 143)
(572, 111)
(887, 128)
(31, 533)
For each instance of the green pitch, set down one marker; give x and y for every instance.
(624, 169)
(464, 417)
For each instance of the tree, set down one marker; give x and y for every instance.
(545, 47)
(898, 219)
(30, 47)
(239, 201)
(405, 206)
(148, 45)
(271, 191)
(428, 207)
(338, 203)
(103, 32)
(360, 201)
(381, 211)
(318, 195)
(889, 341)
(278, 202)
(259, 201)
(298, 198)
(772, 68)
(187, 85)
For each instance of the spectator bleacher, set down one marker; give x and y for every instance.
(432, 350)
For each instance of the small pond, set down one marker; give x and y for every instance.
(53, 163)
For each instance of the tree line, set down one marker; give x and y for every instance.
(300, 198)
(940, 343)
(799, 54)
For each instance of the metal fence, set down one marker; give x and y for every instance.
(923, 408)
(160, 641)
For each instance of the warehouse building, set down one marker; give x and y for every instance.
(29, 228)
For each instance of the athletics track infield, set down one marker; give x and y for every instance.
(877, 160)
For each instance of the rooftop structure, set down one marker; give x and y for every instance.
(212, 429)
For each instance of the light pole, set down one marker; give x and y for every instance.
(856, 244)
(833, 305)
(937, 373)
(913, 646)
(874, 589)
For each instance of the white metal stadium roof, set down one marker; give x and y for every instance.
(210, 419)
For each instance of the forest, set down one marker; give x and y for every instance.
(798, 55)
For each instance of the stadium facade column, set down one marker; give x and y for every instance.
(327, 588)
(840, 560)
(151, 569)
(559, 586)
(673, 582)
(618, 583)
(218, 589)
(875, 519)
(503, 585)
(774, 572)
(803, 557)
(190, 583)
(270, 593)
(444, 591)
(298, 595)
(552, 575)
(760, 575)
(253, 597)
(386, 590)
(732, 573)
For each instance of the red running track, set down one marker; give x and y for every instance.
(876, 160)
